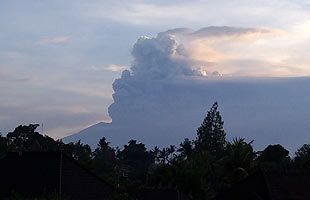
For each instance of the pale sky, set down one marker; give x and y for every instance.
(58, 59)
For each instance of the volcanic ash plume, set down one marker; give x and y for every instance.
(175, 77)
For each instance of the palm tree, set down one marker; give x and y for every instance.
(240, 154)
(235, 165)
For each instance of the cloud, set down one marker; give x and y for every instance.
(55, 40)
(212, 49)
(159, 57)
(237, 51)
(177, 51)
(7, 75)
(109, 67)
(60, 110)
(115, 68)
(176, 13)
(222, 31)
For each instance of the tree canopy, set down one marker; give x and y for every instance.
(211, 135)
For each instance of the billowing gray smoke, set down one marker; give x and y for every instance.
(157, 63)
(160, 57)
(163, 77)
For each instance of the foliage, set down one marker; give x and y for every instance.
(104, 160)
(211, 134)
(302, 157)
(274, 157)
(25, 138)
(133, 163)
(205, 166)
(186, 149)
(79, 151)
(235, 165)
(239, 154)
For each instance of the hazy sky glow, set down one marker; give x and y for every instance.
(58, 59)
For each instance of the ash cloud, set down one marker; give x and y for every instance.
(158, 62)
(162, 70)
(159, 57)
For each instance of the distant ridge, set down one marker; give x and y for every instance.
(89, 135)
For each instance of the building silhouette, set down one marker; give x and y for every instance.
(42, 174)
(270, 185)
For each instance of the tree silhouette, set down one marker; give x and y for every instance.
(186, 149)
(302, 157)
(80, 152)
(239, 154)
(104, 159)
(137, 157)
(236, 163)
(211, 134)
(274, 157)
(25, 138)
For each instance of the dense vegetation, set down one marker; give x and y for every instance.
(199, 168)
